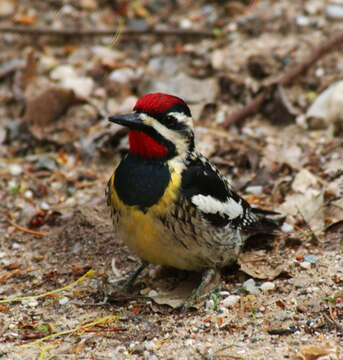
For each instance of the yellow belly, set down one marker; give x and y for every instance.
(145, 234)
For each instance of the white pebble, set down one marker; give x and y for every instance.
(2, 254)
(15, 169)
(305, 265)
(286, 227)
(28, 194)
(63, 300)
(152, 293)
(256, 189)
(267, 286)
(30, 302)
(230, 300)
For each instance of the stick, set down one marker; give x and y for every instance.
(45, 30)
(254, 106)
(24, 229)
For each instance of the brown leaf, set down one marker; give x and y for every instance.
(179, 295)
(258, 265)
(46, 102)
(24, 20)
(325, 352)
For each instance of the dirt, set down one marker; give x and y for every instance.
(59, 256)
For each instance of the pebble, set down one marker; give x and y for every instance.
(256, 189)
(2, 254)
(250, 287)
(82, 86)
(311, 259)
(286, 227)
(267, 286)
(122, 76)
(303, 21)
(152, 293)
(334, 11)
(209, 305)
(63, 71)
(30, 302)
(305, 265)
(230, 300)
(15, 169)
(319, 72)
(63, 300)
(28, 194)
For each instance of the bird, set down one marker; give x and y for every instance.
(169, 203)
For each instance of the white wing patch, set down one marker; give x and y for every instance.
(208, 204)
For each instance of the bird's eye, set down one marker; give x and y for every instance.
(171, 121)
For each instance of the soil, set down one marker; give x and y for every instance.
(59, 255)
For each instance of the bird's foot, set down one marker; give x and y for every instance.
(196, 296)
(123, 285)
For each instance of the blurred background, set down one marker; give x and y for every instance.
(66, 65)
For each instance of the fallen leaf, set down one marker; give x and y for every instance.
(325, 352)
(179, 295)
(24, 20)
(260, 266)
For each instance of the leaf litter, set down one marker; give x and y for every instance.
(285, 296)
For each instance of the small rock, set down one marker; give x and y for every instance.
(122, 76)
(305, 265)
(209, 305)
(218, 59)
(286, 227)
(62, 72)
(302, 21)
(230, 300)
(82, 86)
(7, 7)
(190, 89)
(250, 287)
(255, 189)
(152, 293)
(15, 169)
(63, 300)
(334, 11)
(30, 302)
(319, 72)
(88, 4)
(267, 286)
(311, 259)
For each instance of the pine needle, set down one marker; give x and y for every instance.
(88, 274)
(79, 329)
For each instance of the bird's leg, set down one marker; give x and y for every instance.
(206, 278)
(125, 287)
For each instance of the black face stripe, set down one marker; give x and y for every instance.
(170, 121)
(141, 182)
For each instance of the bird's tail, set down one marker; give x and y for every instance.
(268, 221)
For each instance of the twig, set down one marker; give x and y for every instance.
(253, 107)
(26, 230)
(45, 30)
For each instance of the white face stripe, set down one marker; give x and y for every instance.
(210, 205)
(182, 118)
(177, 138)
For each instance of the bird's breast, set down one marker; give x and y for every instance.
(139, 182)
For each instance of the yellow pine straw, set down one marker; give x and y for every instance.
(43, 350)
(89, 274)
(104, 320)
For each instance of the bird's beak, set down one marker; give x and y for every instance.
(132, 120)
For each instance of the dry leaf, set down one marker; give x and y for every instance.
(260, 266)
(326, 352)
(178, 296)
(24, 20)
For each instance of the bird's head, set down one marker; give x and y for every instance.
(160, 127)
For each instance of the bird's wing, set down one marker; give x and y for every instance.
(213, 196)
